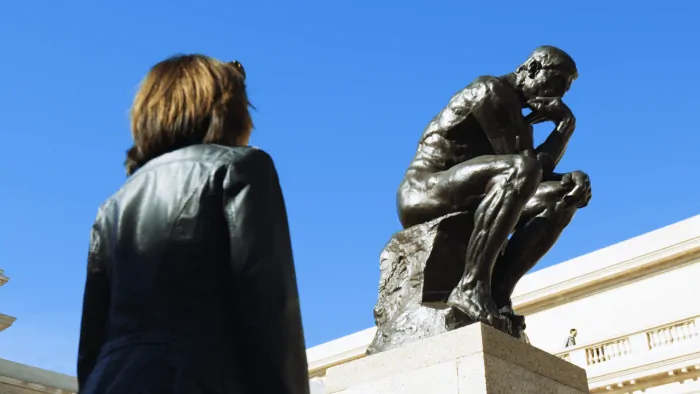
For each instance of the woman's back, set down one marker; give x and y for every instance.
(168, 242)
(191, 276)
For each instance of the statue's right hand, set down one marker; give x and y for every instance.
(580, 185)
(551, 108)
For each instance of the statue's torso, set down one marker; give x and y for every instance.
(454, 135)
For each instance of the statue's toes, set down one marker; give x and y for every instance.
(500, 323)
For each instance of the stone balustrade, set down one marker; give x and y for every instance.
(667, 350)
(638, 345)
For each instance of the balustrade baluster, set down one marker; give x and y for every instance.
(669, 338)
(654, 339)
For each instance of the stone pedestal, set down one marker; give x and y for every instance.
(471, 360)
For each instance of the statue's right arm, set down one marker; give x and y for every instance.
(500, 117)
(266, 297)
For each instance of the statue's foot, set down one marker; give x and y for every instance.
(517, 321)
(478, 305)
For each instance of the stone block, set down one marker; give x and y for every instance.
(419, 267)
(470, 360)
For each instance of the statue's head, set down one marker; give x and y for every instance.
(547, 72)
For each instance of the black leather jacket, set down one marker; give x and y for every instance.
(191, 285)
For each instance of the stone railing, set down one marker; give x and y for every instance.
(670, 335)
(636, 348)
(608, 351)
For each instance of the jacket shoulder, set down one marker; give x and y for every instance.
(245, 159)
(248, 165)
(240, 155)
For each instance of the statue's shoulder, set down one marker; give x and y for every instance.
(484, 86)
(487, 80)
(489, 83)
(488, 88)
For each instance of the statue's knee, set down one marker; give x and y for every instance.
(527, 167)
(527, 172)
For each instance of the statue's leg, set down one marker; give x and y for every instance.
(504, 184)
(544, 218)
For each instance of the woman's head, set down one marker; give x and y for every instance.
(187, 100)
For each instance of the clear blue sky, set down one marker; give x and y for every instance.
(343, 90)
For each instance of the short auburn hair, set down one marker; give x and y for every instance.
(188, 100)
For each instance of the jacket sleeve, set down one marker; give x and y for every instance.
(265, 291)
(95, 308)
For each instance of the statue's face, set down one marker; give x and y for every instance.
(547, 82)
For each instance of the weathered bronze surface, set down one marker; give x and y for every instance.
(480, 204)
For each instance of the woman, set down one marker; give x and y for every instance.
(191, 285)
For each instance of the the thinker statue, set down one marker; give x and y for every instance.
(477, 155)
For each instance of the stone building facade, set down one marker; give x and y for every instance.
(18, 378)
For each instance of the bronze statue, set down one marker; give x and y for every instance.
(478, 156)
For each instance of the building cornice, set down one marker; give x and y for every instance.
(6, 321)
(3, 278)
(640, 267)
(41, 380)
(339, 351)
(660, 244)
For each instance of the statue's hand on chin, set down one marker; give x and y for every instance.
(548, 109)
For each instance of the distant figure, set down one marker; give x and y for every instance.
(572, 338)
(191, 284)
